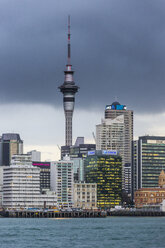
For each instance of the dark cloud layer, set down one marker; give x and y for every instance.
(118, 49)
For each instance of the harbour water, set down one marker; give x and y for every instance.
(111, 232)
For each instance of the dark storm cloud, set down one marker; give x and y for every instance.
(118, 49)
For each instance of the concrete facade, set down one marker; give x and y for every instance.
(21, 186)
(36, 155)
(61, 181)
(85, 195)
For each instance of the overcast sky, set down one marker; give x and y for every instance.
(117, 50)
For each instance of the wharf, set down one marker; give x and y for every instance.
(79, 214)
(137, 213)
(52, 214)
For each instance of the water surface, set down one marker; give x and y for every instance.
(112, 232)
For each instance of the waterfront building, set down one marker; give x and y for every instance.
(104, 167)
(26, 159)
(151, 196)
(85, 195)
(116, 133)
(44, 174)
(62, 181)
(148, 161)
(36, 155)
(11, 144)
(21, 186)
(68, 89)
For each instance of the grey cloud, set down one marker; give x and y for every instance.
(117, 50)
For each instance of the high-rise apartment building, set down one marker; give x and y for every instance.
(11, 144)
(68, 89)
(116, 132)
(62, 181)
(105, 168)
(148, 161)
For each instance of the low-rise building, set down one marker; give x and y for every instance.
(85, 195)
(151, 196)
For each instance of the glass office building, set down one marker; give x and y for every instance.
(148, 161)
(78, 169)
(105, 168)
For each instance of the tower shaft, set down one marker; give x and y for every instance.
(68, 127)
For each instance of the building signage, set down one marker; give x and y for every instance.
(91, 153)
(115, 107)
(109, 152)
(108, 107)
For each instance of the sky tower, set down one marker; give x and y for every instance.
(68, 88)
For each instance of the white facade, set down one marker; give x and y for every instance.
(162, 206)
(36, 155)
(1, 185)
(85, 195)
(61, 177)
(21, 186)
(110, 135)
(21, 159)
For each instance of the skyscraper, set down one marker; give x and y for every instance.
(105, 168)
(116, 133)
(11, 144)
(68, 88)
(148, 161)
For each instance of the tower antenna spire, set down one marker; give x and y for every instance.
(69, 48)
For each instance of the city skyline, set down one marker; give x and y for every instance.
(113, 56)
